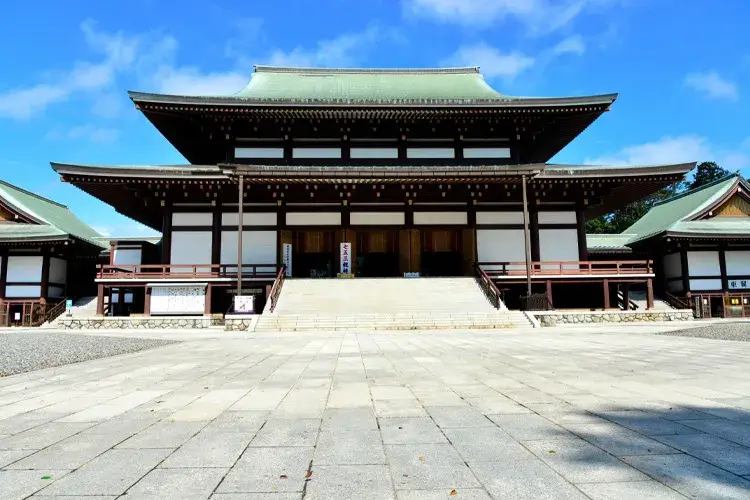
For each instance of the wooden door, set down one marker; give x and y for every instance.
(440, 240)
(469, 249)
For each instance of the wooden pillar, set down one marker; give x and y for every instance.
(111, 254)
(685, 272)
(526, 236)
(100, 300)
(583, 253)
(650, 294)
(626, 295)
(147, 301)
(723, 270)
(607, 303)
(166, 236)
(536, 253)
(207, 310)
(3, 274)
(45, 278)
(240, 225)
(216, 236)
(549, 293)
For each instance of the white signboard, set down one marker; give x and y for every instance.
(287, 257)
(244, 304)
(346, 258)
(739, 284)
(178, 299)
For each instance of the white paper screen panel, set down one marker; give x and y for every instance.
(190, 247)
(486, 152)
(127, 256)
(365, 153)
(672, 265)
(501, 245)
(558, 245)
(703, 264)
(258, 247)
(439, 218)
(192, 219)
(313, 218)
(377, 218)
(24, 269)
(700, 285)
(557, 217)
(58, 270)
(427, 153)
(258, 152)
(249, 219)
(738, 262)
(499, 217)
(316, 152)
(23, 291)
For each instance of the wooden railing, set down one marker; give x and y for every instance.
(207, 271)
(33, 312)
(490, 289)
(677, 302)
(53, 311)
(273, 295)
(568, 268)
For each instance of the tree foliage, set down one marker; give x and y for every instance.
(621, 219)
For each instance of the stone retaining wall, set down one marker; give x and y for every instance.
(240, 323)
(128, 323)
(554, 318)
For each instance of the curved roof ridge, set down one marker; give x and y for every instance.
(29, 193)
(261, 68)
(688, 192)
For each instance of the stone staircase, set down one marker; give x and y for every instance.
(85, 307)
(366, 304)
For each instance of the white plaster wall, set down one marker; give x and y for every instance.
(364, 153)
(672, 266)
(316, 152)
(25, 269)
(738, 262)
(249, 219)
(127, 256)
(377, 218)
(313, 218)
(439, 218)
(192, 219)
(501, 245)
(703, 264)
(258, 152)
(258, 247)
(430, 153)
(58, 270)
(558, 245)
(499, 217)
(700, 285)
(486, 152)
(190, 247)
(23, 291)
(557, 218)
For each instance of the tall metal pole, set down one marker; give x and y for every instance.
(526, 236)
(239, 237)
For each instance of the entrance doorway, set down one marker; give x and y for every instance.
(313, 254)
(441, 253)
(377, 253)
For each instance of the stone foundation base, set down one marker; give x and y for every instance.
(127, 323)
(240, 322)
(554, 318)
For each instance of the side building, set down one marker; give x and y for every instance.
(426, 172)
(47, 255)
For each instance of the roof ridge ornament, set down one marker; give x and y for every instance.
(261, 68)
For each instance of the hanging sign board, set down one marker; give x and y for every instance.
(244, 304)
(346, 258)
(286, 251)
(739, 284)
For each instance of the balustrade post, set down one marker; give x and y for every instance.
(650, 294)
(100, 300)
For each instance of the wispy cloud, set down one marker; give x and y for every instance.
(87, 132)
(344, 50)
(492, 62)
(713, 85)
(571, 45)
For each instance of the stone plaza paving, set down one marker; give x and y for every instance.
(560, 413)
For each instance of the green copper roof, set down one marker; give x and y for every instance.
(608, 242)
(718, 226)
(54, 220)
(348, 86)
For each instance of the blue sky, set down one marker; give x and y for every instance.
(682, 69)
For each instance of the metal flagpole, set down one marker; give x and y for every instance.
(526, 236)
(239, 239)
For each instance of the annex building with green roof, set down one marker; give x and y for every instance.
(47, 254)
(700, 242)
(415, 172)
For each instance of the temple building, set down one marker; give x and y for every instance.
(366, 173)
(700, 243)
(46, 255)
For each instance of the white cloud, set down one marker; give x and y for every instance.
(679, 149)
(342, 51)
(88, 132)
(191, 81)
(23, 103)
(491, 61)
(540, 16)
(571, 45)
(712, 85)
(126, 230)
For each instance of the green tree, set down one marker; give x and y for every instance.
(706, 172)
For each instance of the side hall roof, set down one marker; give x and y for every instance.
(270, 85)
(49, 219)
